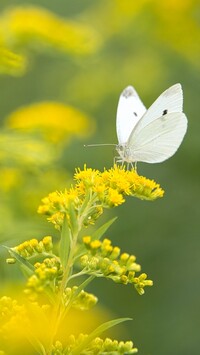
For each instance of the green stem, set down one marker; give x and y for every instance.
(61, 310)
(78, 274)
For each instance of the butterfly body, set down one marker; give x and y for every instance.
(125, 153)
(152, 135)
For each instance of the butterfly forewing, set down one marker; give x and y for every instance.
(129, 111)
(158, 140)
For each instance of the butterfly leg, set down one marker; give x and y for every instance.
(117, 160)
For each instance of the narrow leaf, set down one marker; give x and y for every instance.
(100, 231)
(73, 218)
(102, 328)
(65, 242)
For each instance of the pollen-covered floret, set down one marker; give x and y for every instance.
(104, 260)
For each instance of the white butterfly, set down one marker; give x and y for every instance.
(152, 135)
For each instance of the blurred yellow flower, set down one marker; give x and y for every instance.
(180, 30)
(173, 23)
(54, 120)
(29, 25)
(21, 149)
(22, 322)
(10, 177)
(11, 63)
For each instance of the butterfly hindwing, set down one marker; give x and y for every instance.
(158, 140)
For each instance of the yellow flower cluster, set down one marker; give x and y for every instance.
(140, 282)
(25, 150)
(82, 301)
(104, 260)
(10, 178)
(111, 185)
(96, 347)
(33, 247)
(95, 190)
(45, 278)
(55, 121)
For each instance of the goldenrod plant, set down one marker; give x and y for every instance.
(58, 272)
(60, 61)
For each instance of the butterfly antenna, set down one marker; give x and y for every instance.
(98, 145)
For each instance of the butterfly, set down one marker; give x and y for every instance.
(152, 135)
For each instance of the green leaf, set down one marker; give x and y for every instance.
(65, 242)
(26, 266)
(100, 231)
(102, 328)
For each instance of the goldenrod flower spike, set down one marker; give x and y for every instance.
(55, 284)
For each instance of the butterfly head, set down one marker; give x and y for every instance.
(126, 154)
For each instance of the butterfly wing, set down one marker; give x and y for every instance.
(159, 139)
(171, 100)
(129, 111)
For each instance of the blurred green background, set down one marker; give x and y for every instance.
(82, 54)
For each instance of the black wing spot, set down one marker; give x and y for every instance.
(135, 114)
(165, 112)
